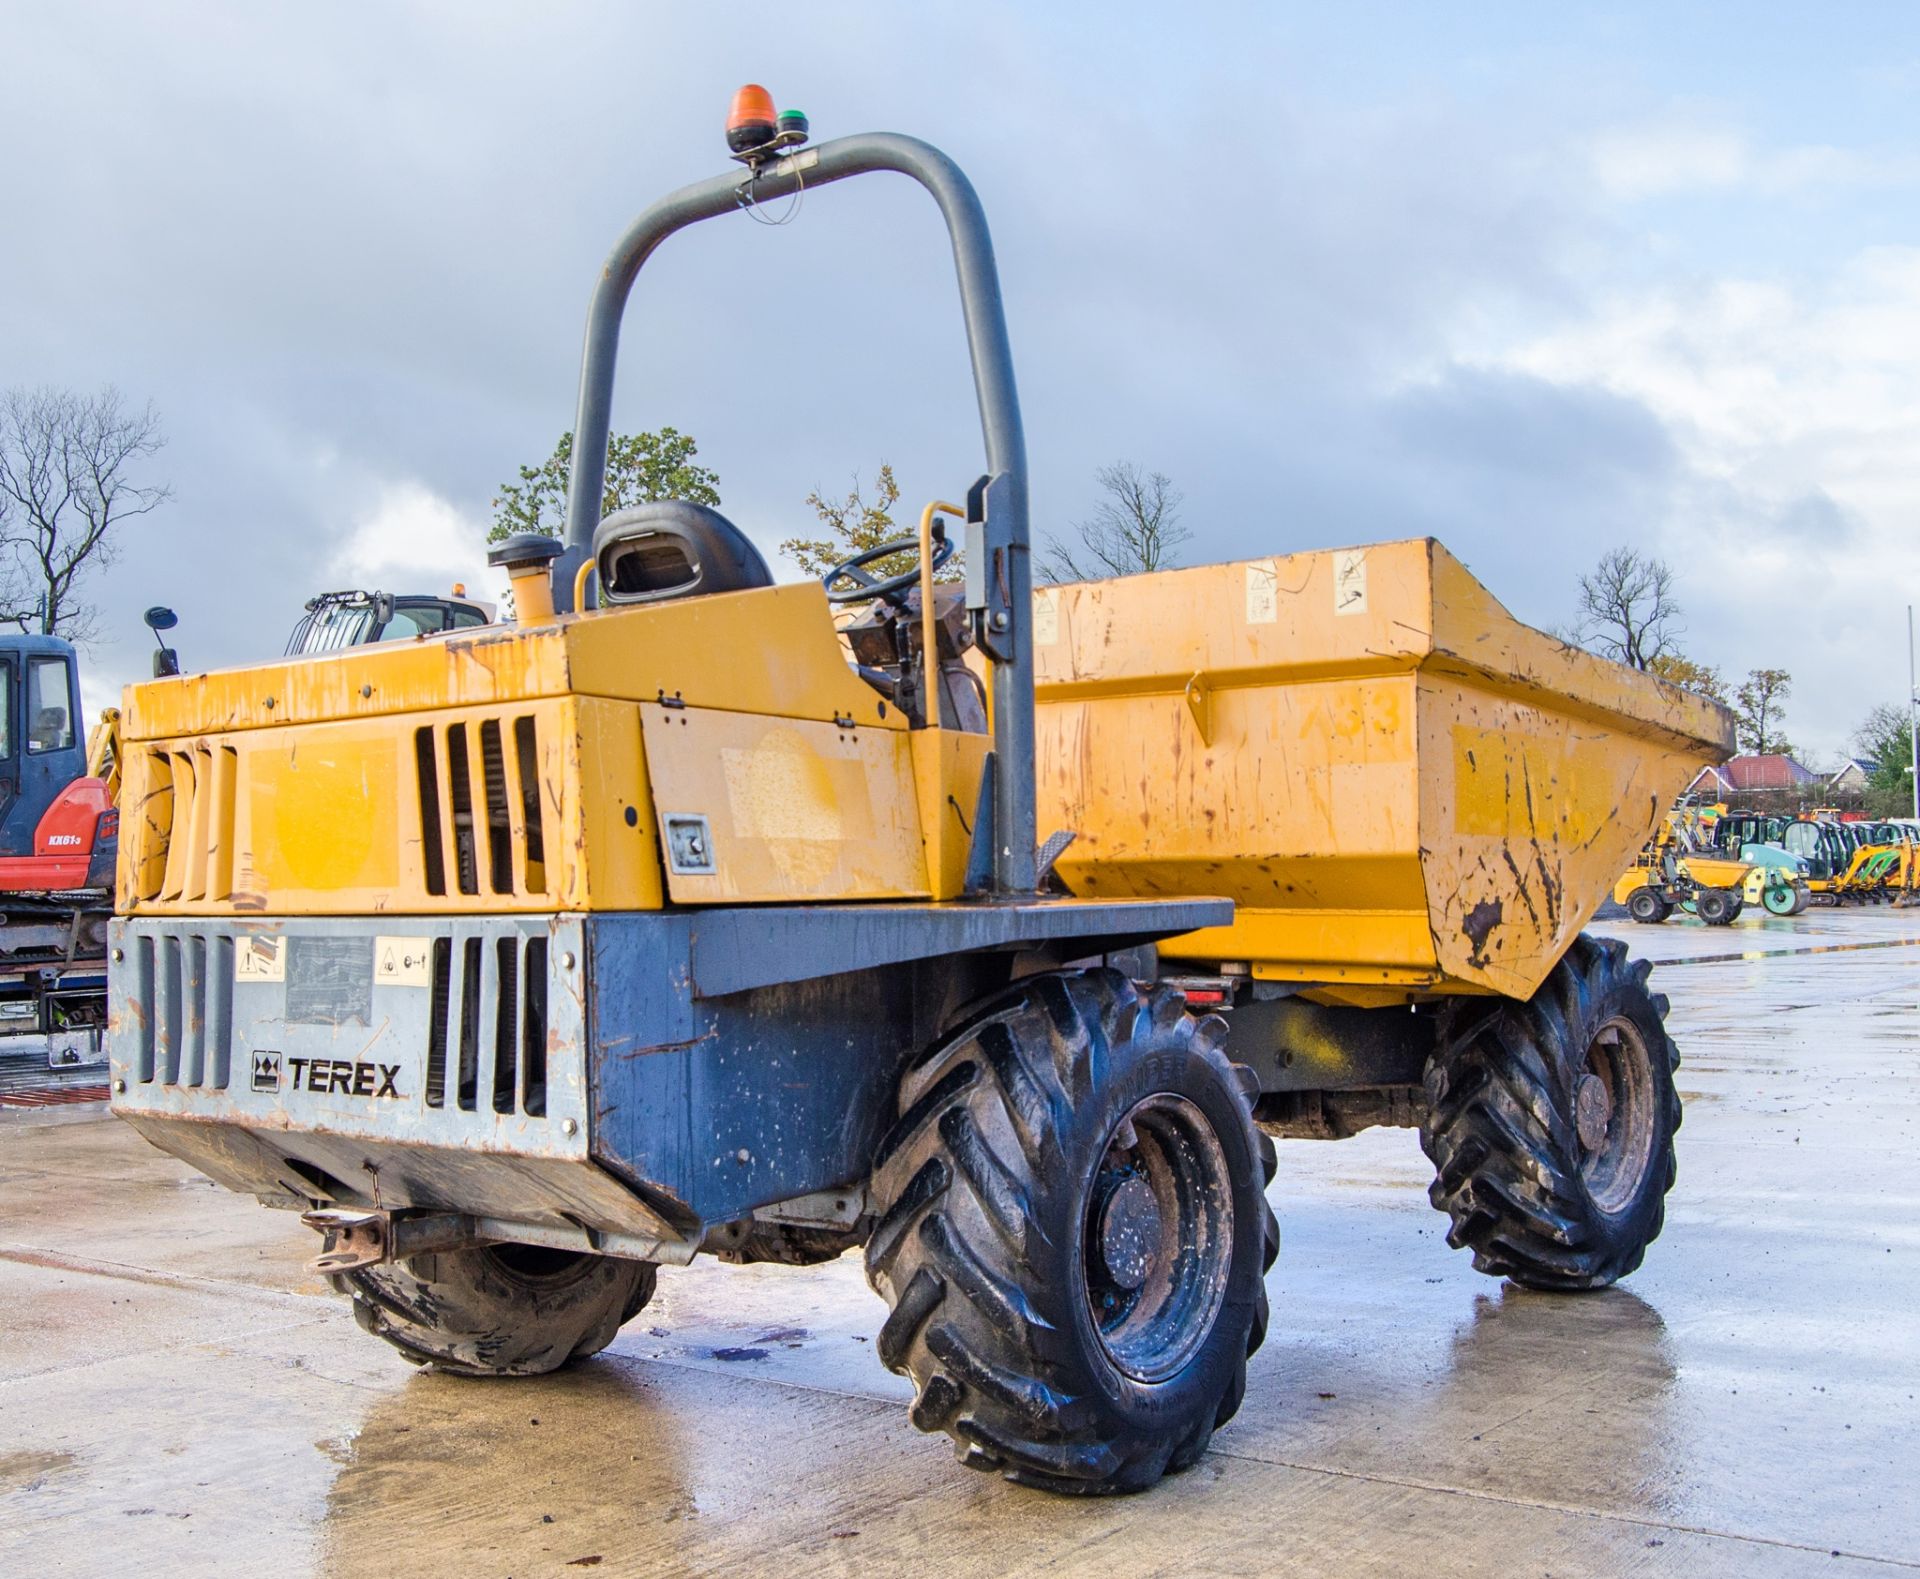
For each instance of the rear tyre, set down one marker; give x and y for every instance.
(1073, 1232)
(1550, 1125)
(1647, 907)
(1716, 906)
(500, 1310)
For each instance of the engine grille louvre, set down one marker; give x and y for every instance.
(466, 861)
(527, 761)
(187, 806)
(493, 770)
(433, 855)
(185, 981)
(533, 1032)
(506, 1024)
(467, 1076)
(497, 835)
(180, 766)
(499, 1021)
(436, 1081)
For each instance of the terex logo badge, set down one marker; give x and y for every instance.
(343, 1077)
(266, 1070)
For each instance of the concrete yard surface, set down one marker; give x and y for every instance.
(179, 1397)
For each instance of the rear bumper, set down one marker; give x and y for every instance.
(641, 1074)
(401, 1062)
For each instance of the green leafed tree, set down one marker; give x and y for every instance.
(857, 523)
(1702, 678)
(1884, 738)
(1759, 712)
(641, 467)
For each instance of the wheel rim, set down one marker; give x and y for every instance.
(1613, 1115)
(1157, 1238)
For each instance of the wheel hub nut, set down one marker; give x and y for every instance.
(1130, 1232)
(1592, 1112)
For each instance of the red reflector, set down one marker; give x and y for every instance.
(1204, 995)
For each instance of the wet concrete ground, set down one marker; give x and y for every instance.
(178, 1398)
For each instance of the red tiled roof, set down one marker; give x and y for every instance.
(1766, 772)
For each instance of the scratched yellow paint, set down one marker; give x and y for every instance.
(1515, 782)
(771, 651)
(796, 810)
(1358, 777)
(947, 768)
(319, 808)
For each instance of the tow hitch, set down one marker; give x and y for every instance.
(351, 1240)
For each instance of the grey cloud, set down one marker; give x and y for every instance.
(348, 248)
(1815, 518)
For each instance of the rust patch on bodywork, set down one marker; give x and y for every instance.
(1480, 922)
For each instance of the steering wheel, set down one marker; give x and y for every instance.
(863, 586)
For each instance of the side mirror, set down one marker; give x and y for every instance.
(167, 660)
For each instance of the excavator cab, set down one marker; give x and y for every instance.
(50, 811)
(334, 620)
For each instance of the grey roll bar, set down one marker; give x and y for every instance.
(1007, 539)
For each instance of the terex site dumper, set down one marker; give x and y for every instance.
(525, 960)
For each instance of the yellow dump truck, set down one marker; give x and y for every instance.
(527, 960)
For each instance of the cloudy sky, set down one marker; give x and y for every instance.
(1536, 280)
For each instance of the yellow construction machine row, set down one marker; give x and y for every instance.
(528, 960)
(1712, 862)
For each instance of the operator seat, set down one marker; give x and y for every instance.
(672, 549)
(49, 729)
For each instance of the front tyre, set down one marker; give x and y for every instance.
(1550, 1125)
(1647, 907)
(499, 1310)
(1073, 1233)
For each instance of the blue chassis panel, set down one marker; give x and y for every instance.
(745, 1056)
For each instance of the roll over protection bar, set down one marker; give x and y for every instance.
(998, 537)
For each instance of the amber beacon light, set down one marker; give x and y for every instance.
(751, 122)
(756, 132)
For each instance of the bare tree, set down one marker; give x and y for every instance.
(64, 488)
(1135, 528)
(1627, 609)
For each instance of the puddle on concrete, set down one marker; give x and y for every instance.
(28, 1471)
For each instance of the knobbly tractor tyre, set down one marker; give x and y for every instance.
(1716, 906)
(1550, 1125)
(1647, 907)
(500, 1310)
(1073, 1235)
